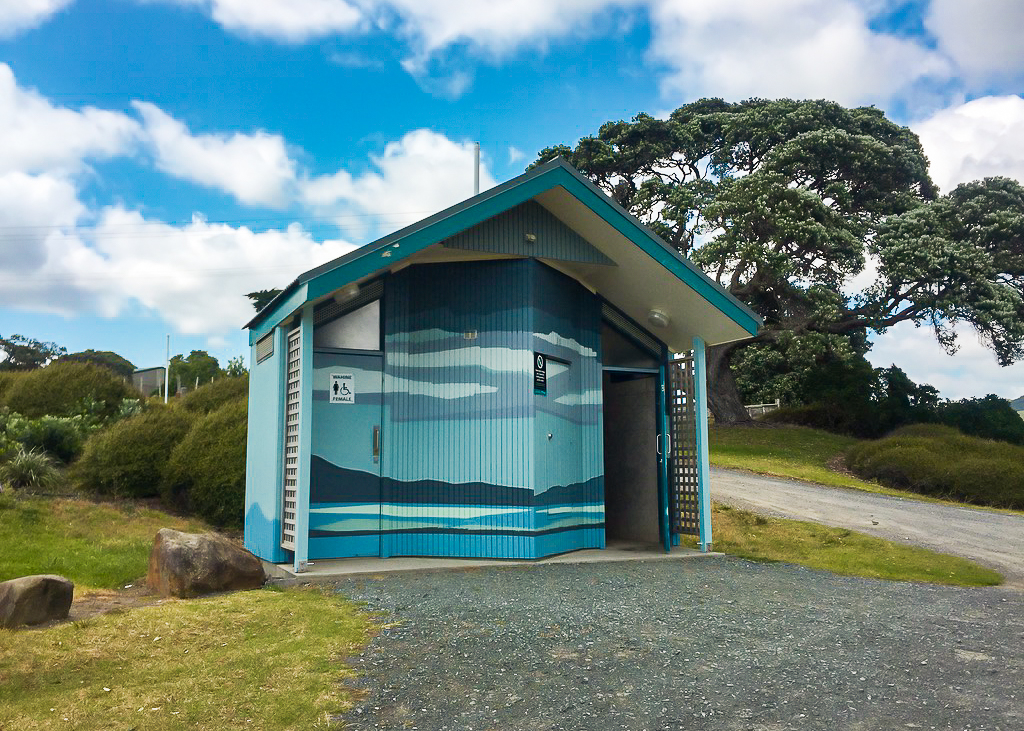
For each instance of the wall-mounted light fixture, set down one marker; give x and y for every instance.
(658, 318)
(348, 292)
(530, 238)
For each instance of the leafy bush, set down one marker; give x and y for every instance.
(206, 474)
(938, 460)
(212, 396)
(128, 459)
(61, 437)
(29, 469)
(65, 389)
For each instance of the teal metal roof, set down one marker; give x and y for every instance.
(384, 253)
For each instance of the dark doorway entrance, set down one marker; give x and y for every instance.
(630, 457)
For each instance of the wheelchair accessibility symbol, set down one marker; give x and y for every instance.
(343, 388)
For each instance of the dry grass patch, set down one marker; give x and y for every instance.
(839, 550)
(249, 660)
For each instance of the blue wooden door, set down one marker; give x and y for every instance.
(345, 485)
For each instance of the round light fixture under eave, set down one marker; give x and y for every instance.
(658, 318)
(346, 293)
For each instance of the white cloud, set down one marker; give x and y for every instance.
(31, 207)
(36, 136)
(973, 371)
(422, 173)
(789, 48)
(981, 138)
(20, 15)
(288, 21)
(254, 168)
(981, 36)
(515, 155)
(194, 276)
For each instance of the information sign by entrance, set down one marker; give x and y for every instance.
(343, 388)
(540, 374)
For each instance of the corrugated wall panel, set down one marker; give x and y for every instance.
(458, 412)
(569, 468)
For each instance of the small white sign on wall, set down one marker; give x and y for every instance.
(343, 388)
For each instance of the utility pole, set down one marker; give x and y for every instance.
(476, 168)
(167, 369)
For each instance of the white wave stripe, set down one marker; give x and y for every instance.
(504, 360)
(572, 509)
(446, 391)
(393, 510)
(587, 398)
(556, 339)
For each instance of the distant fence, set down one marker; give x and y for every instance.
(762, 409)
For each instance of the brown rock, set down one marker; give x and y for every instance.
(35, 599)
(191, 564)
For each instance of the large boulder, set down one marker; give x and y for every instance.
(191, 564)
(34, 599)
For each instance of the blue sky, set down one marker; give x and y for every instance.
(160, 159)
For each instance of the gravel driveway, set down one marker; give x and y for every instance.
(993, 539)
(703, 644)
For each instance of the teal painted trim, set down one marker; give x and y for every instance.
(373, 260)
(661, 417)
(271, 317)
(305, 441)
(700, 379)
(630, 227)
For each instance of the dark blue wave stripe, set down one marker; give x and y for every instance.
(332, 484)
(457, 531)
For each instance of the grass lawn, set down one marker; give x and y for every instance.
(801, 453)
(249, 660)
(786, 451)
(95, 545)
(839, 550)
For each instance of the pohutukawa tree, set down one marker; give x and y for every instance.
(785, 202)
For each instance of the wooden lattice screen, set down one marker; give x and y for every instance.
(683, 474)
(293, 396)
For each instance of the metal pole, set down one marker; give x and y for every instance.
(167, 369)
(476, 168)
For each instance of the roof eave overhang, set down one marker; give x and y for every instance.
(385, 253)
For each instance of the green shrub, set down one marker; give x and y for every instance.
(61, 437)
(128, 459)
(212, 396)
(29, 469)
(66, 389)
(940, 461)
(206, 474)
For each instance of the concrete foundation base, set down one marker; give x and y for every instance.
(330, 569)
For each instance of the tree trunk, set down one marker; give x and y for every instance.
(723, 397)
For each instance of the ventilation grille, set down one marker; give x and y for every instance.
(331, 309)
(264, 347)
(626, 326)
(293, 395)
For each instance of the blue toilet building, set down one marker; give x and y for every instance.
(497, 380)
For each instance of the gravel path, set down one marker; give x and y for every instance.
(709, 644)
(993, 539)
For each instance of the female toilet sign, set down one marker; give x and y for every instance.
(343, 388)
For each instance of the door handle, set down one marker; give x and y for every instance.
(376, 443)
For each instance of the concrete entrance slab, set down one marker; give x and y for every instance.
(337, 568)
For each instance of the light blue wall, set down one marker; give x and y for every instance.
(264, 469)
